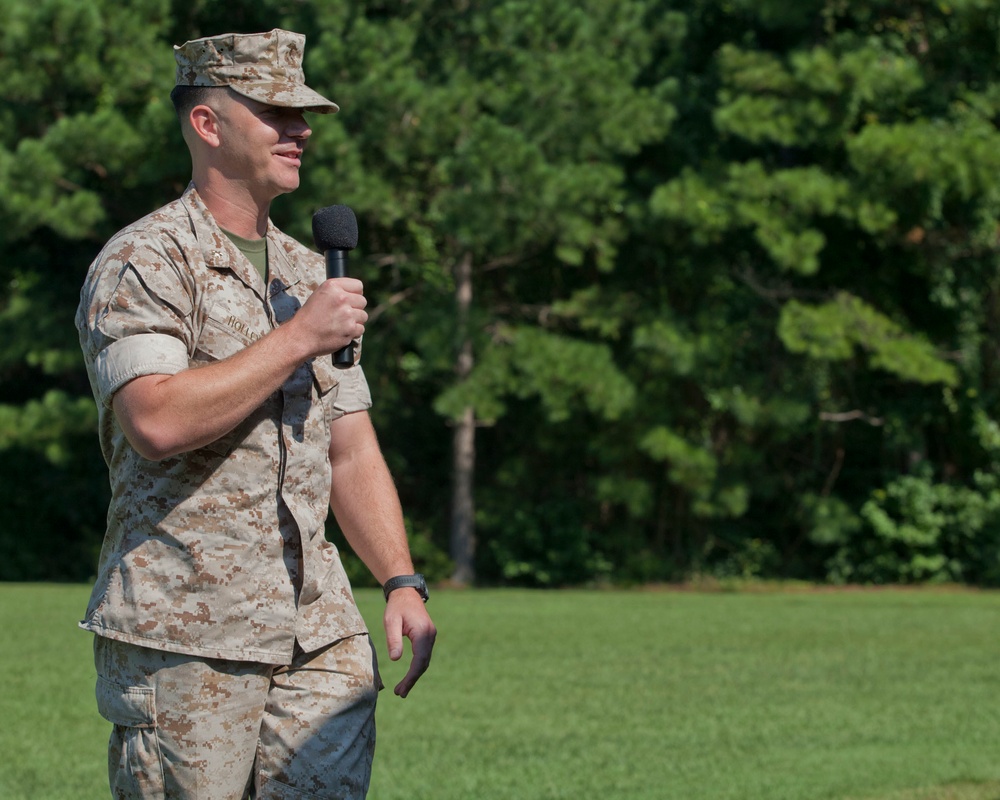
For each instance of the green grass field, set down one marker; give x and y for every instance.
(805, 695)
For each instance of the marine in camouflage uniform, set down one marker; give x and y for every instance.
(231, 657)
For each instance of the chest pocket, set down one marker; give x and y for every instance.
(228, 329)
(224, 334)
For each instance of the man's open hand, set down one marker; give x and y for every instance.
(406, 615)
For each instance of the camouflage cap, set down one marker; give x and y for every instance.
(266, 67)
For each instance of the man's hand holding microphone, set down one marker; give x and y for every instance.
(335, 313)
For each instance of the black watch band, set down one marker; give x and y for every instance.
(415, 581)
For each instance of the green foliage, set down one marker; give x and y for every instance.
(562, 371)
(46, 425)
(542, 545)
(735, 269)
(840, 203)
(832, 331)
(919, 530)
(428, 559)
(75, 97)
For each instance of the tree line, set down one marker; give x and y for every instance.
(658, 289)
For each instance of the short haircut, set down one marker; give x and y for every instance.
(185, 98)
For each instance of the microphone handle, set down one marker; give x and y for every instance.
(336, 267)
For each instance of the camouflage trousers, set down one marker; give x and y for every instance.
(189, 728)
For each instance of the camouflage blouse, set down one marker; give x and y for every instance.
(218, 552)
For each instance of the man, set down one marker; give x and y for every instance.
(230, 655)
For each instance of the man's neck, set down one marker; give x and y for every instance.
(234, 209)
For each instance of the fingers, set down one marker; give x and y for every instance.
(352, 304)
(335, 314)
(346, 294)
(406, 616)
(422, 645)
(350, 286)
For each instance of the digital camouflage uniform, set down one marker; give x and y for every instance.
(215, 567)
(219, 552)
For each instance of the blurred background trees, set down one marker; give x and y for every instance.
(658, 289)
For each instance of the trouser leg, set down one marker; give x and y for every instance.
(209, 729)
(318, 733)
(184, 727)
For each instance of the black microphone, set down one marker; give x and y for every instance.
(335, 231)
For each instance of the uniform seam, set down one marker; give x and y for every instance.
(259, 656)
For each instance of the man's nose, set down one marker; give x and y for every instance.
(299, 129)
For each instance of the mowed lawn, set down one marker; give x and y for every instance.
(795, 695)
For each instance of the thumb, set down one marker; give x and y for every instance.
(393, 635)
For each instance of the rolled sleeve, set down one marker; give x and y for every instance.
(135, 315)
(354, 394)
(134, 356)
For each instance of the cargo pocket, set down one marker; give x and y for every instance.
(134, 766)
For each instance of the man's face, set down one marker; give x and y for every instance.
(261, 145)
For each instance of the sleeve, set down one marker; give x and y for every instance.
(345, 390)
(136, 315)
(353, 394)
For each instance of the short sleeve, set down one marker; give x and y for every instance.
(135, 316)
(354, 394)
(128, 358)
(343, 390)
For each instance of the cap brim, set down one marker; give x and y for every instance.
(286, 95)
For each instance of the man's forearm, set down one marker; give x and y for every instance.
(163, 415)
(364, 500)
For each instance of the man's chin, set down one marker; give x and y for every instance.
(287, 185)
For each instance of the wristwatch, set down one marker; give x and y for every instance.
(412, 581)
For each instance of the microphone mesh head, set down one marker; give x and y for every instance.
(335, 228)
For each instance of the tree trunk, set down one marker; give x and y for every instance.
(463, 525)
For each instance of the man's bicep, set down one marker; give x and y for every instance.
(351, 434)
(137, 396)
(135, 406)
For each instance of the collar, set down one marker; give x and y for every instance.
(217, 249)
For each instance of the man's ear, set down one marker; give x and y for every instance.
(205, 125)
